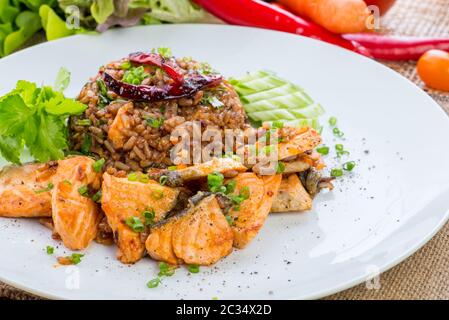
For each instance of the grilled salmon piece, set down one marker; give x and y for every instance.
(198, 235)
(123, 199)
(292, 196)
(203, 236)
(159, 242)
(25, 191)
(306, 139)
(249, 218)
(122, 122)
(226, 166)
(75, 216)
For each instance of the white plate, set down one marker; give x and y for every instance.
(392, 204)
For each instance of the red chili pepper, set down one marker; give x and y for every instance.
(191, 84)
(397, 48)
(256, 13)
(155, 59)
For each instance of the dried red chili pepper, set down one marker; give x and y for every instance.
(155, 59)
(190, 85)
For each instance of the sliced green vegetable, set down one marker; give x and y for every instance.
(270, 99)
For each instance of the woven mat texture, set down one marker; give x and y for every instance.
(425, 275)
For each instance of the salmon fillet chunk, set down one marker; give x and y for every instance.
(123, 199)
(250, 216)
(25, 191)
(292, 196)
(198, 235)
(75, 215)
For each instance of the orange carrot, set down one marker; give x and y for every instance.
(338, 16)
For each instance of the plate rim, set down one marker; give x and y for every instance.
(315, 295)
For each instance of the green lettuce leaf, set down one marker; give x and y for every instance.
(28, 23)
(174, 11)
(101, 10)
(53, 25)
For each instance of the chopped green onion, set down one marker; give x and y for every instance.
(230, 186)
(166, 270)
(155, 123)
(336, 172)
(135, 75)
(172, 168)
(332, 121)
(280, 167)
(75, 258)
(83, 122)
(163, 180)
(215, 181)
(153, 283)
(348, 166)
(135, 224)
(132, 176)
(125, 65)
(193, 268)
(48, 188)
(340, 150)
(324, 150)
(149, 216)
(83, 190)
(97, 196)
(98, 165)
(337, 132)
(50, 250)
(144, 178)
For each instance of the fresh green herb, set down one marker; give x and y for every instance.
(46, 189)
(280, 167)
(155, 123)
(36, 118)
(97, 196)
(336, 172)
(149, 216)
(135, 75)
(125, 65)
(163, 180)
(348, 166)
(157, 194)
(172, 168)
(98, 165)
(215, 182)
(324, 150)
(50, 250)
(166, 270)
(135, 224)
(83, 122)
(84, 191)
(193, 268)
(153, 283)
(337, 132)
(87, 143)
(75, 258)
(333, 121)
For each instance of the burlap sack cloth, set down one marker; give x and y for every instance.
(425, 275)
